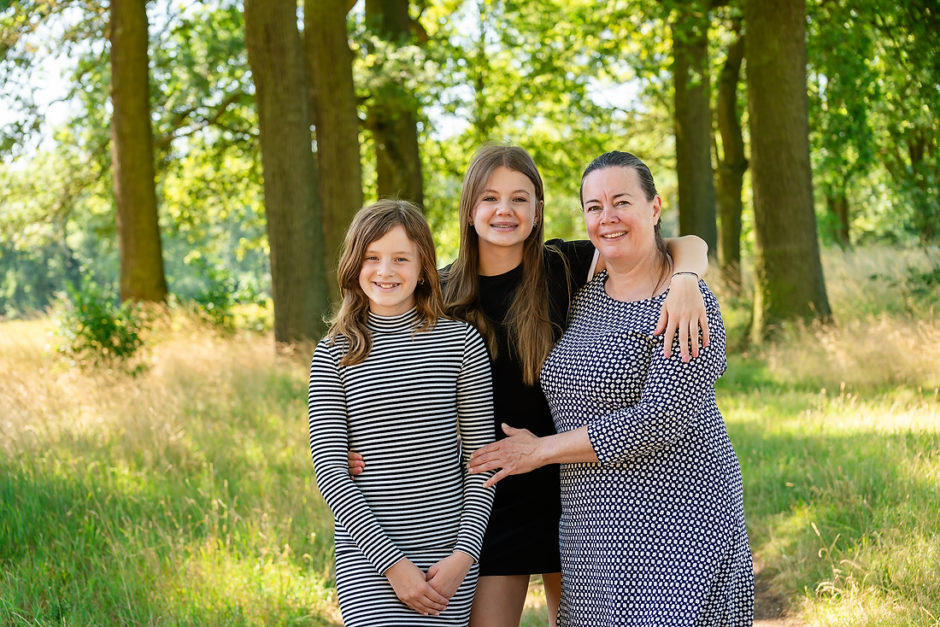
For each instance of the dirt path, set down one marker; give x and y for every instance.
(769, 608)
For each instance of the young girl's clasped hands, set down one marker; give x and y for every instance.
(409, 389)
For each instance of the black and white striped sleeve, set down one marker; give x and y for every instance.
(326, 414)
(475, 425)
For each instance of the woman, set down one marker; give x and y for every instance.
(516, 290)
(408, 533)
(652, 527)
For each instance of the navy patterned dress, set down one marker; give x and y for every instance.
(654, 533)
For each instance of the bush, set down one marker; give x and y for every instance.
(97, 329)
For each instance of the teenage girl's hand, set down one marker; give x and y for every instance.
(412, 588)
(684, 310)
(447, 575)
(514, 455)
(356, 463)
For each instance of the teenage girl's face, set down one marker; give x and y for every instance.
(390, 272)
(505, 210)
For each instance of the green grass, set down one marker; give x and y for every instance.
(185, 494)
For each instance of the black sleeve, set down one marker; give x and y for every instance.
(579, 254)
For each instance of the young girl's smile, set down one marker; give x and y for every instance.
(390, 272)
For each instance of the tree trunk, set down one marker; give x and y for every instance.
(391, 116)
(838, 205)
(337, 122)
(292, 208)
(138, 227)
(789, 278)
(731, 167)
(693, 124)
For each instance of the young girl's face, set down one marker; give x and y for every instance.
(390, 272)
(505, 210)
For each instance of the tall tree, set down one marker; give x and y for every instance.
(392, 110)
(292, 206)
(732, 165)
(789, 277)
(693, 122)
(141, 255)
(337, 122)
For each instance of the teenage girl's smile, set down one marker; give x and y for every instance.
(506, 210)
(389, 274)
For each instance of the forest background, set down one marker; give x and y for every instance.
(209, 156)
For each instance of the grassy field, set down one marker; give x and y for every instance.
(185, 495)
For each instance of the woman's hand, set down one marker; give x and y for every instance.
(356, 463)
(684, 310)
(413, 589)
(447, 575)
(517, 454)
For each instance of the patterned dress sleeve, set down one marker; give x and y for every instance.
(475, 426)
(673, 396)
(326, 415)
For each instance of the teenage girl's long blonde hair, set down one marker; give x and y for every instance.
(528, 324)
(368, 225)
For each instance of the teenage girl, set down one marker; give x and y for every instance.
(515, 290)
(398, 382)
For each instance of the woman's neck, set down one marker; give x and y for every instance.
(635, 279)
(496, 260)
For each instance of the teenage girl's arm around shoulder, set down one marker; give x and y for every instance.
(684, 308)
(326, 419)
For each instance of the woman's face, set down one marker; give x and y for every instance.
(505, 210)
(620, 220)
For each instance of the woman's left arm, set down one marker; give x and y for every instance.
(684, 308)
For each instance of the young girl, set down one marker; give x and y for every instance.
(398, 382)
(516, 290)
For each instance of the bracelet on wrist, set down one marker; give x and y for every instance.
(675, 274)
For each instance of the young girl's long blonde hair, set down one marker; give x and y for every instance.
(370, 224)
(528, 324)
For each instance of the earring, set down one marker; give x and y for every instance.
(421, 281)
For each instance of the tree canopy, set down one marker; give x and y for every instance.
(565, 80)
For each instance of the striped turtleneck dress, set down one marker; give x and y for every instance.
(415, 408)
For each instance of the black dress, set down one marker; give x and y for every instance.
(522, 535)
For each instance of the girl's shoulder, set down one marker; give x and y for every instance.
(576, 255)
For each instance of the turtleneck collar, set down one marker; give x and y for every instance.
(391, 324)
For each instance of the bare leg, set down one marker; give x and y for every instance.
(499, 601)
(552, 583)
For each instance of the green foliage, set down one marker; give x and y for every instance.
(97, 330)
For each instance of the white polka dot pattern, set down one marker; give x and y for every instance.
(654, 534)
